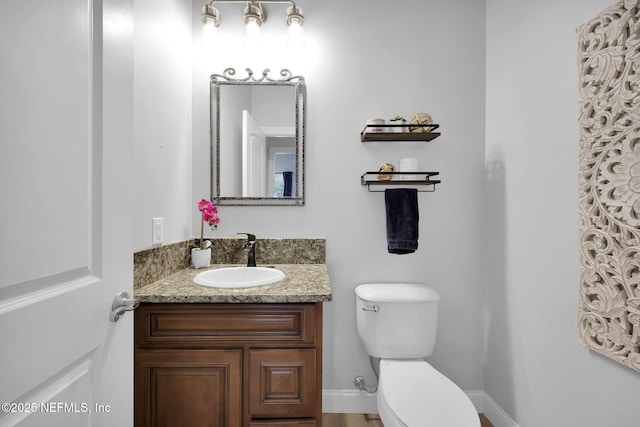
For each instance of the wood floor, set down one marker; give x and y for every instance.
(351, 420)
(368, 420)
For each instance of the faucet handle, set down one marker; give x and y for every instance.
(250, 237)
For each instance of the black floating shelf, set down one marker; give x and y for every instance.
(422, 179)
(389, 135)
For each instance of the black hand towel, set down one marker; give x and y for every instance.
(402, 220)
(287, 177)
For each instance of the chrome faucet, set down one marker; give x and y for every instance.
(250, 248)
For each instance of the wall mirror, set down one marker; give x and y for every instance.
(257, 139)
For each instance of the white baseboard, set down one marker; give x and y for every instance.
(348, 402)
(477, 398)
(358, 402)
(497, 415)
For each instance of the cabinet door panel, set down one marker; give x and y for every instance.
(195, 388)
(282, 383)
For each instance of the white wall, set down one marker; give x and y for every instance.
(366, 59)
(162, 114)
(535, 369)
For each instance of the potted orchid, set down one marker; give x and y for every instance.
(201, 254)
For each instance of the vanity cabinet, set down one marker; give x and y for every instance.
(228, 365)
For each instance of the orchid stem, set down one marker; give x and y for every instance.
(202, 234)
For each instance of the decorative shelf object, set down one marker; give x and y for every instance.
(422, 179)
(419, 132)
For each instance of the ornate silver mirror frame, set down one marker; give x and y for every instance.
(232, 168)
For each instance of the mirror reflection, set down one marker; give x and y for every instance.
(257, 139)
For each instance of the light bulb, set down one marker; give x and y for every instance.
(296, 35)
(252, 33)
(210, 21)
(209, 33)
(295, 21)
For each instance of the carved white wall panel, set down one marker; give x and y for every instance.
(609, 183)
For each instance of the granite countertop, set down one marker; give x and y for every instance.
(303, 283)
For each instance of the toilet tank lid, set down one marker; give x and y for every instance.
(396, 292)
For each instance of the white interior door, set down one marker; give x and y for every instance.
(253, 157)
(66, 84)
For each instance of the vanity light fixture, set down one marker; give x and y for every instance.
(254, 16)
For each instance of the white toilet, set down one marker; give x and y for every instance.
(397, 324)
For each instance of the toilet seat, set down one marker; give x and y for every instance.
(414, 394)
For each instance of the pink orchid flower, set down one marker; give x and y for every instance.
(210, 216)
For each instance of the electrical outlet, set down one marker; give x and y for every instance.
(157, 230)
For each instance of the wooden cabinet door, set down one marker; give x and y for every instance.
(195, 388)
(282, 383)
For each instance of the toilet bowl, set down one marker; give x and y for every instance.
(397, 324)
(413, 393)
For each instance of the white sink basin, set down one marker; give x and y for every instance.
(238, 277)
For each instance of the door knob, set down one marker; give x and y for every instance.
(121, 303)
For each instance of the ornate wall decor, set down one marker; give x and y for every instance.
(609, 183)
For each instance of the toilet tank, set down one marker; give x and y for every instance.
(397, 320)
